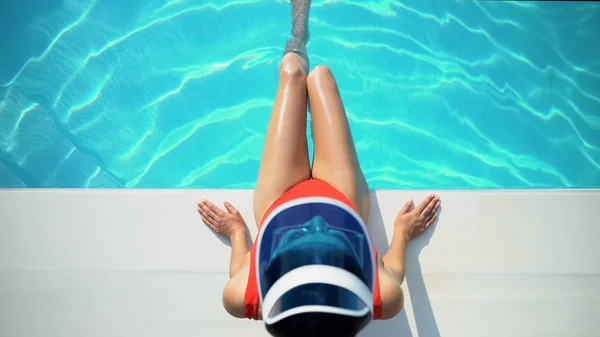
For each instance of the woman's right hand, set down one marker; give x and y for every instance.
(411, 224)
(227, 224)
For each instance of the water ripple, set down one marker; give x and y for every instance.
(479, 31)
(499, 21)
(201, 71)
(241, 153)
(383, 7)
(184, 132)
(484, 158)
(90, 99)
(54, 41)
(22, 115)
(450, 66)
(120, 92)
(114, 42)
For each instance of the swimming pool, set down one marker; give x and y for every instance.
(177, 94)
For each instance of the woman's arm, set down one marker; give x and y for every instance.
(229, 224)
(239, 250)
(235, 290)
(394, 260)
(407, 226)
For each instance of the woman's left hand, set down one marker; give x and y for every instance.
(226, 223)
(413, 223)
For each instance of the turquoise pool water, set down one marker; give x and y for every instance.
(166, 94)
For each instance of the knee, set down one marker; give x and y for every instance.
(292, 68)
(320, 72)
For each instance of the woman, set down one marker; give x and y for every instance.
(312, 270)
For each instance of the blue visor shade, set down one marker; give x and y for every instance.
(314, 234)
(308, 254)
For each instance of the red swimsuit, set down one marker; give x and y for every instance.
(307, 188)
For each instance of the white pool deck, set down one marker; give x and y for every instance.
(129, 263)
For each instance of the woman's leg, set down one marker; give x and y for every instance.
(335, 159)
(284, 161)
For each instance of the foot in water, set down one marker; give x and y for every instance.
(300, 34)
(300, 11)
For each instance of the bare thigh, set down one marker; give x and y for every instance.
(284, 161)
(335, 160)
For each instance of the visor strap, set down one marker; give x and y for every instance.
(317, 274)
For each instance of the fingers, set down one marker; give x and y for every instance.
(431, 217)
(216, 210)
(230, 208)
(406, 207)
(430, 206)
(422, 228)
(431, 209)
(207, 212)
(424, 204)
(437, 205)
(207, 220)
(209, 217)
(432, 220)
(211, 210)
(209, 224)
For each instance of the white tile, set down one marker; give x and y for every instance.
(141, 263)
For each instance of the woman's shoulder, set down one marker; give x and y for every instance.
(392, 298)
(234, 292)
